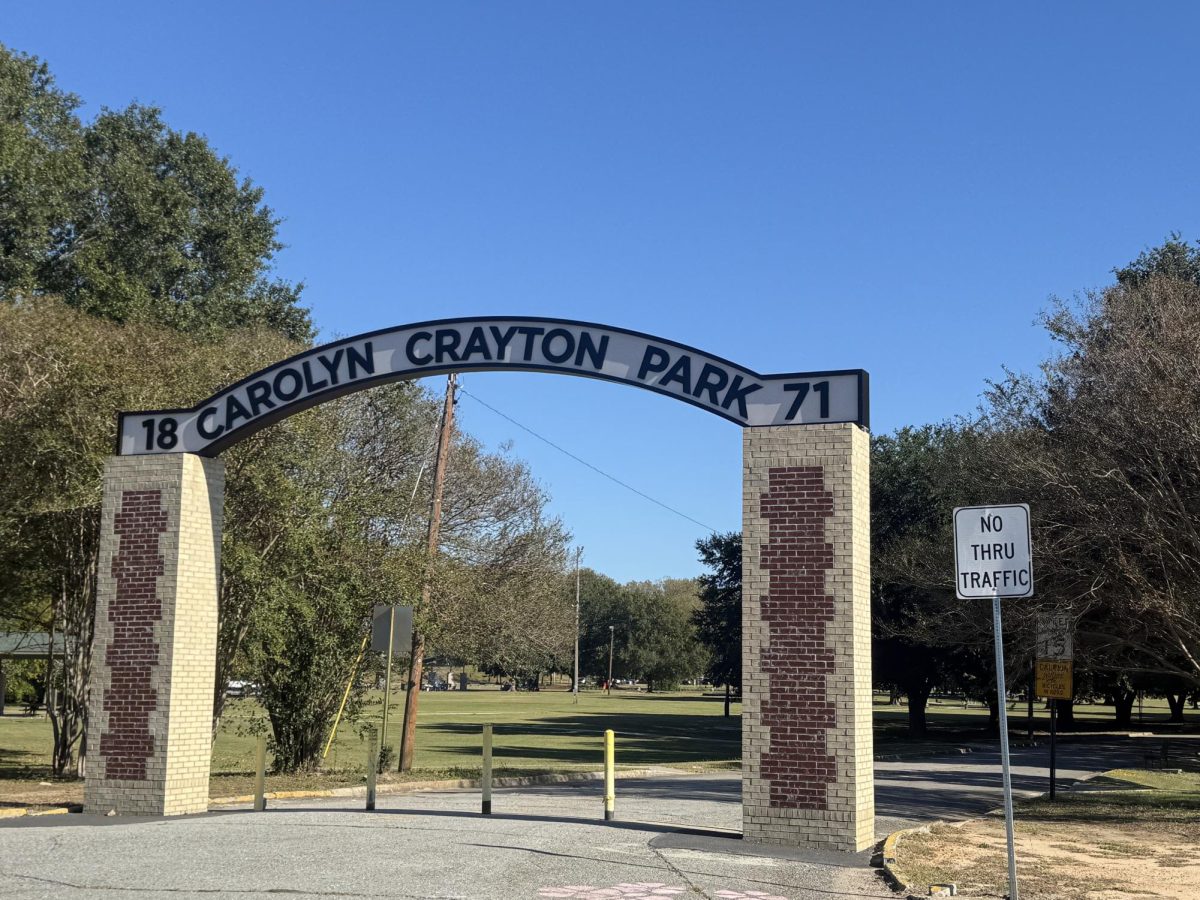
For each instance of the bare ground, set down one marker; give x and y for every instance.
(1101, 859)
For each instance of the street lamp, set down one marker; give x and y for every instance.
(610, 649)
(575, 682)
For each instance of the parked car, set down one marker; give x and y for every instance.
(241, 689)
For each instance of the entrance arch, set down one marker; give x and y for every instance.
(807, 775)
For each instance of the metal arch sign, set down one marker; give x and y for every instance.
(558, 346)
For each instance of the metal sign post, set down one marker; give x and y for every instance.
(391, 628)
(998, 626)
(1054, 681)
(1053, 746)
(993, 554)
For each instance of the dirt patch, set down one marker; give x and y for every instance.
(19, 792)
(1058, 860)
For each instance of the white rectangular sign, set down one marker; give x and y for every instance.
(1054, 638)
(993, 552)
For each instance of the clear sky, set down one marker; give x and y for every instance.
(893, 186)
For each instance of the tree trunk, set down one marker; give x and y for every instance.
(918, 700)
(73, 618)
(1066, 715)
(1176, 701)
(993, 702)
(1123, 704)
(727, 700)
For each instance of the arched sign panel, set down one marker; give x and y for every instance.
(486, 344)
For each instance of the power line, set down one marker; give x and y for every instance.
(584, 462)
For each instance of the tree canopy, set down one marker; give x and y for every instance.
(129, 219)
(718, 621)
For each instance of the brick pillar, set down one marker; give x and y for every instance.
(807, 775)
(155, 646)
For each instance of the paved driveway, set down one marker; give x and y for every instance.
(543, 842)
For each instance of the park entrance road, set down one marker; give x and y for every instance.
(916, 791)
(543, 842)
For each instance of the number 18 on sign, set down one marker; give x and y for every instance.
(993, 558)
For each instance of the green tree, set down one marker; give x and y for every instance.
(718, 621)
(130, 220)
(923, 637)
(41, 171)
(603, 603)
(666, 650)
(1110, 449)
(652, 632)
(63, 376)
(1174, 259)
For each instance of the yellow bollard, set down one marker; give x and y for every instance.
(487, 770)
(372, 766)
(610, 787)
(260, 774)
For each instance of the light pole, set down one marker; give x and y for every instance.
(575, 683)
(608, 684)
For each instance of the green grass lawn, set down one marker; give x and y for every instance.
(543, 730)
(1122, 796)
(534, 732)
(950, 720)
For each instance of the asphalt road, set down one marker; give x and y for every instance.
(542, 842)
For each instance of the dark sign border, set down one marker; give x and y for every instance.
(1028, 537)
(241, 433)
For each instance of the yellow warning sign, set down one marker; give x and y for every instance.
(1053, 679)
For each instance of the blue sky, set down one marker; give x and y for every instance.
(897, 187)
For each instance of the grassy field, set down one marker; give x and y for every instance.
(534, 732)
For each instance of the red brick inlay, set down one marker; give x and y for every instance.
(129, 700)
(796, 660)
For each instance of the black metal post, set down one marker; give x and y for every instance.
(1032, 678)
(1053, 744)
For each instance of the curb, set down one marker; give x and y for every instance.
(898, 757)
(403, 787)
(891, 871)
(39, 811)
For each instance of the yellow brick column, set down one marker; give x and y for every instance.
(155, 644)
(807, 774)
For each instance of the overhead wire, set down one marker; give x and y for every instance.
(584, 462)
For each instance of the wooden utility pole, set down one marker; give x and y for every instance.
(417, 663)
